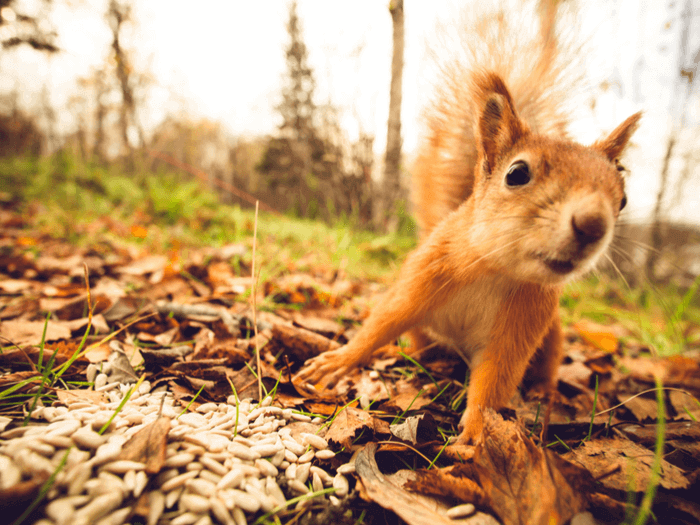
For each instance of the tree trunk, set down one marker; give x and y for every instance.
(392, 162)
(656, 236)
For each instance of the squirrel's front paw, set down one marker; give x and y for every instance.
(472, 426)
(325, 369)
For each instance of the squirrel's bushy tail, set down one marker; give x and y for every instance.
(521, 43)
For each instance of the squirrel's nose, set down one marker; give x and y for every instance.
(589, 226)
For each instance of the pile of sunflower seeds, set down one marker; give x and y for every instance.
(225, 462)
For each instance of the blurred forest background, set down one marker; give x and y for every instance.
(99, 146)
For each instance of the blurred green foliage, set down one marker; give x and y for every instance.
(64, 195)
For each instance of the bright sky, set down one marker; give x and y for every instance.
(224, 60)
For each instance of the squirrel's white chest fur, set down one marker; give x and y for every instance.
(465, 321)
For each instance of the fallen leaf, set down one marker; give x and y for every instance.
(122, 370)
(138, 231)
(416, 429)
(642, 408)
(97, 354)
(408, 396)
(600, 336)
(519, 482)
(30, 332)
(145, 265)
(635, 462)
(376, 487)
(13, 286)
(99, 325)
(148, 445)
(349, 422)
(18, 377)
(575, 374)
(325, 327)
(685, 405)
(71, 396)
(302, 344)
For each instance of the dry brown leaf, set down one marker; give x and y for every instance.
(166, 338)
(601, 455)
(376, 487)
(71, 396)
(98, 353)
(219, 273)
(675, 430)
(29, 332)
(683, 371)
(685, 405)
(50, 263)
(364, 385)
(416, 429)
(17, 377)
(148, 445)
(226, 349)
(575, 374)
(519, 482)
(301, 289)
(302, 344)
(643, 409)
(325, 327)
(349, 422)
(150, 264)
(600, 336)
(406, 398)
(13, 286)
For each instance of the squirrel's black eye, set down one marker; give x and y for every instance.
(518, 174)
(623, 202)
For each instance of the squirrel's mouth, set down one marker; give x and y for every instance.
(558, 266)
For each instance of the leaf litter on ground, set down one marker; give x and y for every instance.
(187, 323)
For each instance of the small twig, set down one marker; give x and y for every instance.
(670, 389)
(22, 350)
(89, 297)
(231, 322)
(255, 293)
(408, 447)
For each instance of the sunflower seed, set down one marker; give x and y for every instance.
(188, 518)
(315, 441)
(220, 511)
(341, 485)
(298, 486)
(201, 486)
(213, 465)
(115, 518)
(325, 454)
(179, 460)
(302, 473)
(194, 503)
(156, 506)
(177, 481)
(460, 511)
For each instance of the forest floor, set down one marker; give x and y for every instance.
(619, 442)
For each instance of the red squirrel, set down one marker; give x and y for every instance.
(510, 210)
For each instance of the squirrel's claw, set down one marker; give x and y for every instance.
(323, 369)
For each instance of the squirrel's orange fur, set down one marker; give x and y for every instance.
(510, 209)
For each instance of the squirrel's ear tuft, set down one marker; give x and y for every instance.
(498, 126)
(614, 144)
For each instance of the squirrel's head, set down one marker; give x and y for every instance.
(544, 208)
